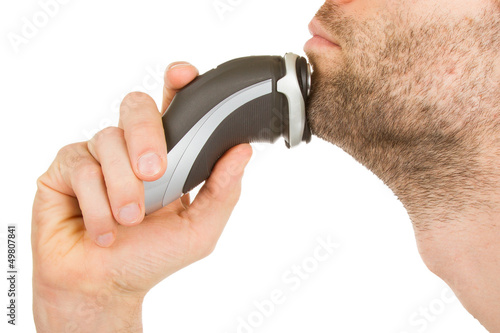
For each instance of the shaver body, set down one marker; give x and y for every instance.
(251, 99)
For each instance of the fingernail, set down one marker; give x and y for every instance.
(149, 164)
(105, 240)
(180, 65)
(130, 213)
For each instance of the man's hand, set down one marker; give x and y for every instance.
(95, 255)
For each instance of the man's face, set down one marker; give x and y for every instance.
(405, 76)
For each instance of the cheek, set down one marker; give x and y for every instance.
(363, 9)
(496, 72)
(443, 10)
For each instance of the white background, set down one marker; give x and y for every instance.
(66, 82)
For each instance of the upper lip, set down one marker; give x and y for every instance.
(316, 29)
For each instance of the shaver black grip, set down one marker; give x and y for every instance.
(260, 120)
(244, 125)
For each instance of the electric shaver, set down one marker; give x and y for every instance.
(251, 99)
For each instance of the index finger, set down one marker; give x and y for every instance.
(177, 75)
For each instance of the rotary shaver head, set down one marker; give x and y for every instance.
(251, 99)
(296, 86)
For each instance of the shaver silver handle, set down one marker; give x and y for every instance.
(252, 99)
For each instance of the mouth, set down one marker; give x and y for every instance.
(320, 39)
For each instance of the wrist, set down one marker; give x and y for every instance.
(68, 311)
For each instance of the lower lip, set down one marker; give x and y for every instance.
(319, 42)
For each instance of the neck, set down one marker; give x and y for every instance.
(453, 199)
(440, 181)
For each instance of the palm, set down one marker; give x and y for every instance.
(91, 245)
(141, 257)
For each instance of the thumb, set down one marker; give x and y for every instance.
(212, 207)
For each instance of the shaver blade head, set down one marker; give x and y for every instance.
(296, 86)
(250, 99)
(303, 69)
(304, 74)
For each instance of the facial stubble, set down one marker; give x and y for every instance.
(411, 99)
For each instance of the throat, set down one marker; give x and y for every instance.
(434, 180)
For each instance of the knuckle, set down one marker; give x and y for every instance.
(107, 133)
(213, 190)
(67, 151)
(123, 192)
(42, 181)
(71, 155)
(87, 171)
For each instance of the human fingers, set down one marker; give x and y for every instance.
(75, 173)
(125, 191)
(177, 75)
(214, 203)
(144, 136)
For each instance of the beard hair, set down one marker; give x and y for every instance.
(411, 99)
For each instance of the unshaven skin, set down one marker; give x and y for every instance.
(411, 90)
